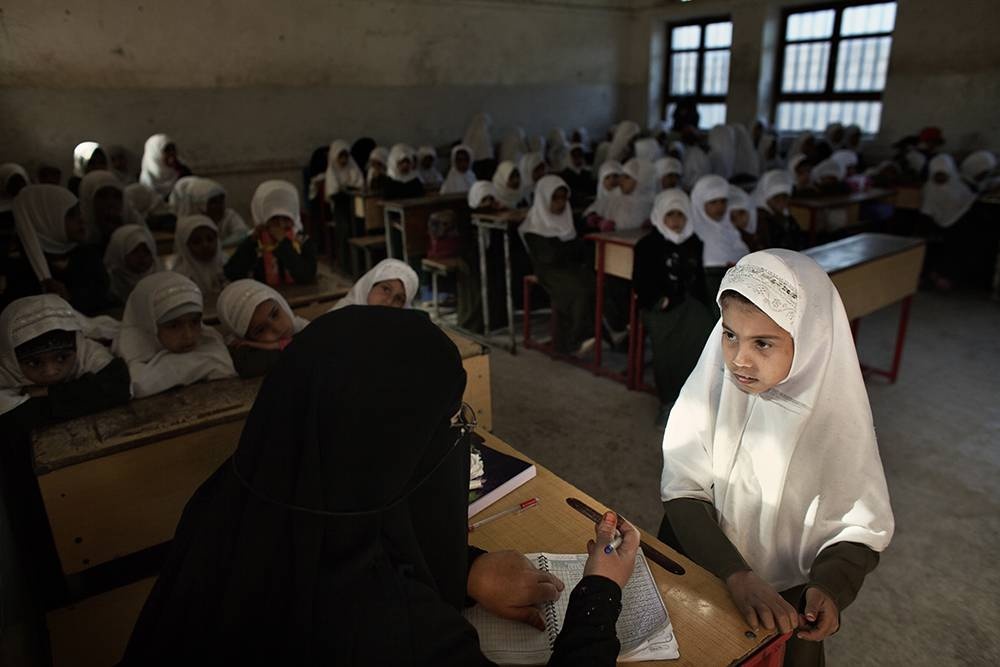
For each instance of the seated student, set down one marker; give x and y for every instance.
(979, 171)
(562, 265)
(142, 199)
(507, 181)
(390, 283)
(581, 136)
(669, 284)
(723, 246)
(13, 178)
(302, 483)
(460, 176)
(531, 168)
(103, 207)
(771, 473)
(54, 257)
(427, 168)
(199, 254)
(743, 216)
(163, 340)
(403, 181)
(848, 160)
(88, 157)
(160, 165)
(946, 201)
(775, 226)
(668, 173)
(194, 195)
(483, 197)
(609, 178)
(637, 185)
(342, 172)
(275, 253)
(578, 175)
(258, 325)
(378, 170)
(130, 257)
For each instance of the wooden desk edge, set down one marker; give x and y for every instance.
(917, 243)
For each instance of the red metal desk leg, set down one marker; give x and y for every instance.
(904, 322)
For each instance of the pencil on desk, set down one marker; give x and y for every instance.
(526, 505)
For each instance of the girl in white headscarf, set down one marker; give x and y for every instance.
(621, 148)
(103, 206)
(483, 195)
(946, 199)
(404, 180)
(710, 214)
(775, 226)
(342, 172)
(771, 472)
(163, 340)
(378, 168)
(88, 157)
(668, 173)
(203, 196)
(258, 325)
(199, 254)
(390, 283)
(51, 367)
(13, 178)
(847, 159)
(648, 149)
(979, 171)
(427, 167)
(630, 209)
(669, 283)
(507, 181)
(477, 136)
(557, 149)
(608, 188)
(160, 165)
(742, 214)
(460, 175)
(130, 257)
(276, 252)
(722, 142)
(531, 168)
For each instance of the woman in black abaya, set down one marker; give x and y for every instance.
(336, 534)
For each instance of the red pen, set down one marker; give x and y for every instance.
(526, 505)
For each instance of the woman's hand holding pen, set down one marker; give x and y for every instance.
(617, 563)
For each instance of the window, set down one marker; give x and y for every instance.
(698, 68)
(833, 63)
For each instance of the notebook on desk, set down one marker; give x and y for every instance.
(498, 475)
(644, 628)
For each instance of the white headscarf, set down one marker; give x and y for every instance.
(477, 136)
(152, 367)
(795, 469)
(339, 178)
(81, 157)
(526, 167)
(557, 152)
(7, 170)
(124, 240)
(541, 220)
(648, 149)
(156, 173)
(673, 199)
(697, 165)
(459, 181)
(181, 200)
(398, 153)
(238, 301)
(536, 144)
(208, 276)
(631, 211)
(979, 162)
(513, 145)
(723, 244)
(509, 197)
(379, 154)
(846, 158)
(667, 165)
(479, 191)
(828, 167)
(387, 269)
(429, 177)
(273, 198)
(739, 200)
(945, 203)
(605, 197)
(722, 142)
(40, 221)
(624, 133)
(30, 317)
(745, 160)
(141, 198)
(774, 182)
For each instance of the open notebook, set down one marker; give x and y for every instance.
(644, 628)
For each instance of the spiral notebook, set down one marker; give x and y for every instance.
(643, 627)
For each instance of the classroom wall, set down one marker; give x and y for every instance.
(944, 68)
(251, 87)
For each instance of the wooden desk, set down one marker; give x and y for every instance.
(115, 483)
(709, 629)
(805, 210)
(614, 254)
(872, 271)
(409, 218)
(505, 222)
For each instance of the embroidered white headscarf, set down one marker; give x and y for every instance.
(238, 301)
(387, 269)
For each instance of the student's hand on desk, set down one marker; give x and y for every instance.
(617, 565)
(821, 617)
(508, 585)
(760, 604)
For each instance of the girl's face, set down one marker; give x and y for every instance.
(941, 177)
(427, 162)
(716, 208)
(559, 201)
(462, 161)
(675, 221)
(576, 155)
(139, 259)
(740, 217)
(281, 223)
(611, 181)
(170, 155)
(180, 334)
(514, 180)
(49, 368)
(389, 293)
(215, 208)
(758, 352)
(343, 158)
(538, 172)
(669, 181)
(270, 323)
(404, 166)
(203, 244)
(108, 203)
(627, 184)
(75, 230)
(778, 203)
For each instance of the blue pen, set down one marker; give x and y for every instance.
(616, 542)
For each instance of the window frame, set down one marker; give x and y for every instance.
(829, 94)
(698, 97)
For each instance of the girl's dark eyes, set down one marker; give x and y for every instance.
(763, 345)
(728, 335)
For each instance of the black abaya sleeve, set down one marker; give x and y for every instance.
(588, 636)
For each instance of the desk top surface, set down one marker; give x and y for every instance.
(709, 629)
(511, 215)
(427, 200)
(837, 201)
(860, 249)
(627, 237)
